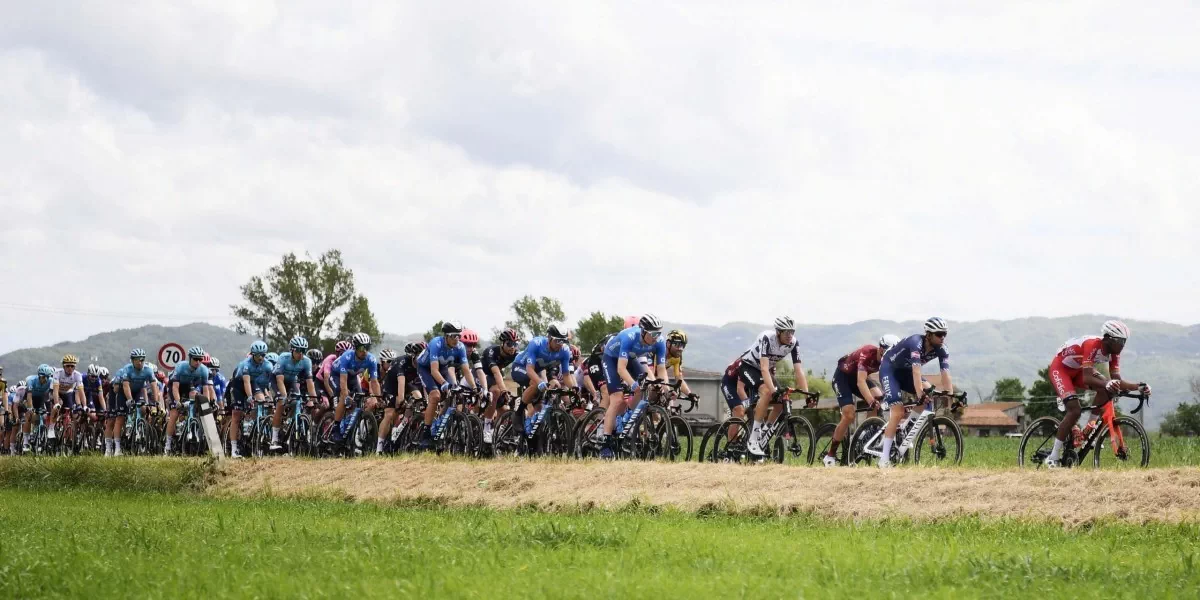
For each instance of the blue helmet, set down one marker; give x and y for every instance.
(259, 347)
(272, 357)
(137, 354)
(299, 343)
(45, 371)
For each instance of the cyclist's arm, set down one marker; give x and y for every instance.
(158, 397)
(498, 376)
(125, 387)
(801, 376)
(623, 372)
(764, 367)
(531, 370)
(343, 385)
(660, 372)
(246, 386)
(312, 389)
(863, 388)
(466, 371)
(587, 385)
(175, 389)
(947, 384)
(280, 384)
(54, 393)
(480, 378)
(916, 373)
(80, 399)
(374, 386)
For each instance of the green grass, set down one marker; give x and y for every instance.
(87, 543)
(1001, 452)
(140, 474)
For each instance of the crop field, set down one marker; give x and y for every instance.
(433, 527)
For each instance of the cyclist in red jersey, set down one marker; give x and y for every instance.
(1074, 367)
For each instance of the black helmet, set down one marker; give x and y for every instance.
(558, 333)
(452, 327)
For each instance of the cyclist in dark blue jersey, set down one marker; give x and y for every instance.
(346, 373)
(900, 371)
(250, 378)
(495, 359)
(436, 365)
(622, 369)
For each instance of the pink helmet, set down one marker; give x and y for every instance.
(341, 346)
(631, 321)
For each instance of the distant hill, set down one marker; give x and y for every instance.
(1164, 354)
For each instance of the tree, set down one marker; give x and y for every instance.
(1009, 389)
(358, 319)
(1042, 397)
(434, 331)
(534, 316)
(1184, 420)
(300, 296)
(591, 330)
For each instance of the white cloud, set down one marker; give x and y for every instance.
(890, 162)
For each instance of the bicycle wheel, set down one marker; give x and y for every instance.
(1134, 454)
(507, 439)
(143, 439)
(476, 427)
(193, 441)
(458, 439)
(704, 441)
(1037, 442)
(324, 436)
(939, 443)
(366, 431)
(858, 445)
(681, 450)
(729, 441)
(554, 437)
(300, 439)
(589, 433)
(794, 444)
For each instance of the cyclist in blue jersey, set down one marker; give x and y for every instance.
(534, 366)
(292, 368)
(435, 365)
(93, 389)
(40, 390)
(132, 380)
(188, 377)
(345, 374)
(900, 371)
(219, 383)
(250, 378)
(622, 369)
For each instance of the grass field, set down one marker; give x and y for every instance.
(87, 543)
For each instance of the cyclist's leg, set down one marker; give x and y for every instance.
(1065, 381)
(616, 394)
(237, 407)
(892, 398)
(173, 405)
(434, 395)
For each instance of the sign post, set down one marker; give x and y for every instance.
(170, 355)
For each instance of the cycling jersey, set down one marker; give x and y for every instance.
(628, 345)
(92, 387)
(539, 354)
(293, 370)
(911, 351)
(138, 379)
(675, 365)
(1086, 352)
(442, 352)
(593, 367)
(219, 384)
(3, 387)
(68, 383)
(353, 366)
(767, 345)
(36, 388)
(494, 357)
(187, 376)
(260, 374)
(474, 360)
(865, 359)
(404, 366)
(326, 367)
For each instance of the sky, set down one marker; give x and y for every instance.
(708, 162)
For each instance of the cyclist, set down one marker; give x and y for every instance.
(852, 379)
(93, 388)
(250, 378)
(291, 369)
(188, 377)
(39, 390)
(592, 371)
(400, 380)
(756, 375)
(495, 359)
(677, 341)
(5, 418)
(345, 375)
(1074, 367)
(70, 391)
(470, 339)
(900, 371)
(327, 365)
(534, 365)
(219, 383)
(132, 379)
(622, 369)
(15, 411)
(435, 366)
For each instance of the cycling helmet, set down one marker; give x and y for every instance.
(314, 354)
(784, 323)
(341, 346)
(259, 347)
(558, 332)
(45, 371)
(214, 363)
(510, 336)
(450, 327)
(272, 357)
(414, 348)
(469, 337)
(676, 336)
(630, 321)
(69, 359)
(388, 355)
(360, 339)
(650, 323)
(207, 359)
(137, 354)
(93, 371)
(1115, 329)
(574, 352)
(104, 371)
(888, 341)
(935, 325)
(598, 348)
(298, 344)
(196, 352)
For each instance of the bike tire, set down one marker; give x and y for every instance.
(192, 443)
(475, 424)
(301, 441)
(682, 449)
(587, 434)
(939, 443)
(555, 435)
(458, 438)
(866, 430)
(794, 445)
(727, 448)
(704, 441)
(325, 446)
(143, 439)
(366, 431)
(507, 439)
(1137, 445)
(1037, 442)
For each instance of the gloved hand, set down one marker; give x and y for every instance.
(1144, 388)
(542, 386)
(445, 386)
(1113, 386)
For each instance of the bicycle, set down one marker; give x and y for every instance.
(297, 430)
(189, 433)
(548, 432)
(928, 433)
(1123, 429)
(36, 442)
(358, 429)
(789, 437)
(824, 436)
(89, 432)
(138, 435)
(635, 432)
(678, 440)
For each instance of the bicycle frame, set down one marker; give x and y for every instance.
(1107, 416)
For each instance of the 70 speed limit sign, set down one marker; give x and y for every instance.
(170, 355)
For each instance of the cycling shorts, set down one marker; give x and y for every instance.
(520, 375)
(613, 379)
(846, 389)
(67, 399)
(895, 384)
(427, 376)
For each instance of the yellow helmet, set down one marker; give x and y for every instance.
(69, 359)
(677, 336)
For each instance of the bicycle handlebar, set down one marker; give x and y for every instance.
(1141, 397)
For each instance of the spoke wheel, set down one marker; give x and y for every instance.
(1133, 451)
(794, 444)
(939, 443)
(862, 437)
(681, 446)
(1037, 443)
(729, 442)
(588, 434)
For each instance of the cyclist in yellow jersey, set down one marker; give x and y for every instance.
(676, 341)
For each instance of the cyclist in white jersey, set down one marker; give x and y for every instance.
(70, 390)
(758, 372)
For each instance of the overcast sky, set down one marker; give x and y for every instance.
(710, 163)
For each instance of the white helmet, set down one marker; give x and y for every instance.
(935, 325)
(785, 323)
(93, 370)
(888, 341)
(1115, 329)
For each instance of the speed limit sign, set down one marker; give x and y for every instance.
(169, 355)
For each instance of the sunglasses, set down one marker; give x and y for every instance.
(454, 335)
(258, 355)
(510, 344)
(678, 344)
(940, 334)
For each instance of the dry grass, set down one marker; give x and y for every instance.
(1071, 497)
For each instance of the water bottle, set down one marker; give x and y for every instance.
(441, 421)
(633, 416)
(532, 424)
(247, 426)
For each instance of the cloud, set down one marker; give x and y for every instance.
(707, 162)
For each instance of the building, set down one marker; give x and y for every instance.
(993, 419)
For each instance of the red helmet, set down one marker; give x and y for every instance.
(631, 321)
(469, 337)
(574, 352)
(207, 360)
(341, 346)
(510, 335)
